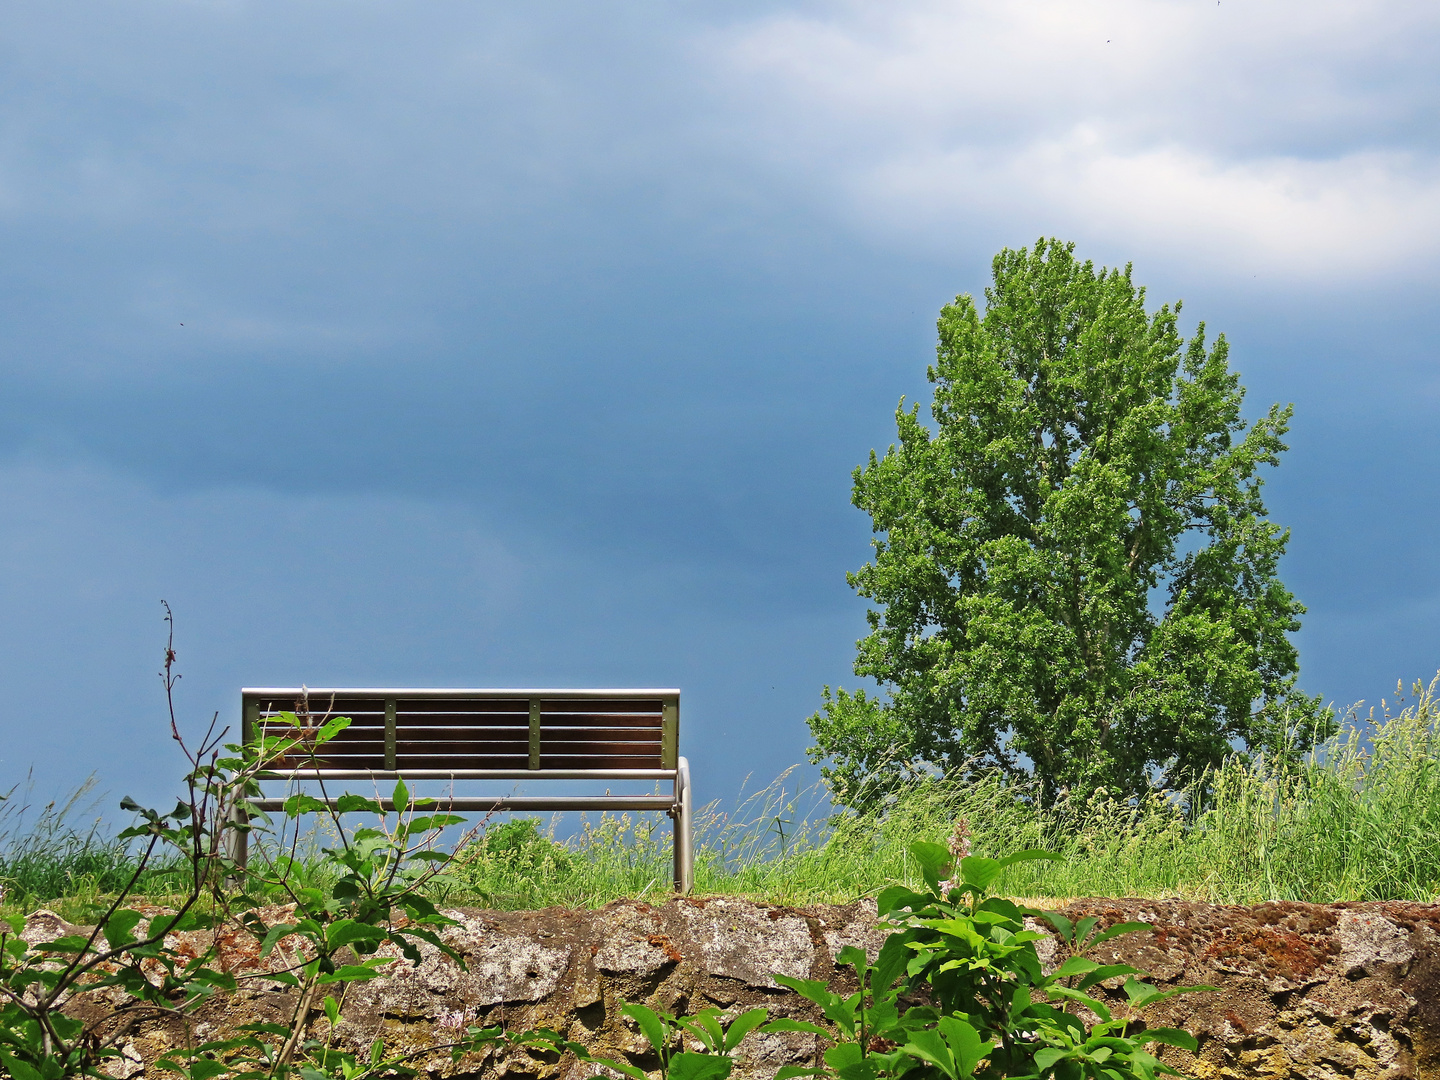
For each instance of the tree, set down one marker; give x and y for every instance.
(1073, 568)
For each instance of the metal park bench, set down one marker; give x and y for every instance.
(457, 735)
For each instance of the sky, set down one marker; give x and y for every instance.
(480, 344)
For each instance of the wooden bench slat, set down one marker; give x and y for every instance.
(563, 761)
(605, 748)
(479, 727)
(468, 705)
(561, 723)
(449, 761)
(461, 719)
(404, 745)
(426, 723)
(556, 706)
(599, 749)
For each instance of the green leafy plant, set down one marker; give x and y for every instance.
(126, 948)
(367, 892)
(958, 990)
(715, 1038)
(374, 898)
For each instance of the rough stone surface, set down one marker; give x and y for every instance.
(1305, 991)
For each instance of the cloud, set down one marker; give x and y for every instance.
(1350, 216)
(1294, 137)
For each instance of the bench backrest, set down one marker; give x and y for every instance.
(481, 730)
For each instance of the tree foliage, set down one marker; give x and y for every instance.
(1073, 566)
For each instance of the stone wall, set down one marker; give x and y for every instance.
(1311, 991)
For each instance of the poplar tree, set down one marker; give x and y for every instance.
(1074, 574)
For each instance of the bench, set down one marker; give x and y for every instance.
(492, 735)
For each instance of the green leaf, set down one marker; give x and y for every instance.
(649, 1023)
(1140, 993)
(935, 862)
(331, 728)
(843, 1055)
(964, 1042)
(301, 803)
(349, 973)
(220, 980)
(789, 1072)
(704, 1026)
(898, 898)
(1105, 971)
(350, 804)
(344, 932)
(882, 1016)
(1076, 965)
(401, 796)
(432, 821)
(979, 872)
(70, 943)
(890, 964)
(962, 928)
(119, 928)
(742, 1025)
(928, 1045)
(852, 956)
(622, 1067)
(1047, 1056)
(1095, 1005)
(1171, 1036)
(1063, 926)
(207, 1069)
(810, 989)
(18, 1069)
(691, 1066)
(274, 934)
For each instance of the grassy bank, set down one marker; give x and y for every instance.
(1358, 820)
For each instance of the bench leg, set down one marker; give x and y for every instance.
(684, 843)
(237, 841)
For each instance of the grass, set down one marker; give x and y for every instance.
(1357, 820)
(47, 858)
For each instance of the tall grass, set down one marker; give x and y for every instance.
(1358, 819)
(45, 855)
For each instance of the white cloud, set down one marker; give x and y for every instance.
(1292, 137)
(1356, 214)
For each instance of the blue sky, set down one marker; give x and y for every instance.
(464, 343)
